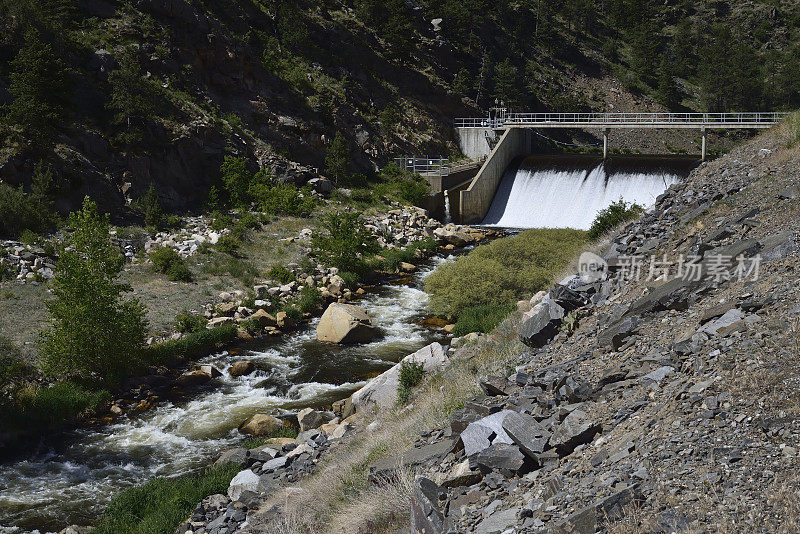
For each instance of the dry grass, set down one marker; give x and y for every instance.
(339, 499)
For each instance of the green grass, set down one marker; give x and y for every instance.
(194, 345)
(166, 260)
(503, 271)
(282, 432)
(36, 407)
(480, 319)
(160, 505)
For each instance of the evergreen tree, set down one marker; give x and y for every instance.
(667, 93)
(96, 335)
(134, 99)
(463, 83)
(507, 83)
(39, 90)
(337, 160)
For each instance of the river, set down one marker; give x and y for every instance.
(71, 478)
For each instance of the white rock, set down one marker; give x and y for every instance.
(244, 481)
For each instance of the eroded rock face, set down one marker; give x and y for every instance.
(381, 391)
(345, 323)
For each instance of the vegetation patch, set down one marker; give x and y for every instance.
(480, 319)
(187, 322)
(411, 373)
(166, 260)
(161, 504)
(192, 346)
(609, 218)
(501, 272)
(285, 431)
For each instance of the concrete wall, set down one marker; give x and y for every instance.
(476, 199)
(472, 141)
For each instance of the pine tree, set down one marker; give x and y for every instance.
(507, 83)
(39, 90)
(667, 93)
(134, 99)
(337, 160)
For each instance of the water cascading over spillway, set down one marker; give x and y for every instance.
(536, 194)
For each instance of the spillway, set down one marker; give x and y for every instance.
(568, 193)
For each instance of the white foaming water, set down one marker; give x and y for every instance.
(72, 485)
(536, 196)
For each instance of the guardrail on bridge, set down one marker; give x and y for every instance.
(731, 120)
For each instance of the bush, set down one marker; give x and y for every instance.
(286, 199)
(292, 312)
(345, 242)
(150, 206)
(160, 505)
(236, 179)
(500, 273)
(96, 335)
(309, 300)
(228, 244)
(195, 345)
(614, 215)
(187, 323)
(403, 186)
(281, 273)
(13, 371)
(33, 212)
(166, 260)
(411, 373)
(59, 403)
(480, 319)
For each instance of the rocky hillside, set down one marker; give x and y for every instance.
(115, 96)
(653, 402)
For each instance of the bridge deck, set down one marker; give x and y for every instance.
(626, 120)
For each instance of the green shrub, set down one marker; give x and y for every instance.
(309, 300)
(609, 218)
(187, 323)
(33, 211)
(160, 505)
(13, 371)
(292, 312)
(150, 207)
(286, 199)
(411, 373)
(195, 345)
(337, 159)
(166, 260)
(228, 244)
(350, 279)
(480, 319)
(403, 186)
(236, 179)
(503, 271)
(281, 273)
(96, 335)
(345, 242)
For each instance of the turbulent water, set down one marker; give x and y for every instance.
(569, 195)
(71, 481)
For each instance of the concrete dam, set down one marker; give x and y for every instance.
(568, 191)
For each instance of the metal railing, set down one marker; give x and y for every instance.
(732, 120)
(432, 166)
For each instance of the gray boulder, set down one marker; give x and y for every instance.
(345, 323)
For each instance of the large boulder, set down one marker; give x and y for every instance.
(261, 425)
(381, 391)
(345, 323)
(540, 324)
(309, 418)
(246, 480)
(242, 368)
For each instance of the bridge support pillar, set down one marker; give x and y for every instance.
(703, 145)
(605, 142)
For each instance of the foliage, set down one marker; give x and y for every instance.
(344, 242)
(150, 206)
(401, 185)
(12, 370)
(166, 260)
(284, 431)
(236, 179)
(411, 373)
(337, 160)
(286, 199)
(609, 218)
(281, 273)
(310, 298)
(96, 335)
(188, 323)
(194, 345)
(134, 99)
(39, 87)
(503, 271)
(160, 505)
(227, 244)
(480, 319)
(32, 211)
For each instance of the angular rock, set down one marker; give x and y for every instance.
(615, 334)
(589, 519)
(527, 433)
(495, 385)
(576, 429)
(503, 457)
(310, 418)
(426, 515)
(484, 432)
(728, 320)
(264, 319)
(387, 468)
(540, 324)
(460, 475)
(345, 323)
(237, 456)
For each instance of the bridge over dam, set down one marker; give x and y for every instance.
(507, 188)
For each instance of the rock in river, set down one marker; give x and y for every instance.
(345, 323)
(260, 425)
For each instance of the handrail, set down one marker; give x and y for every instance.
(432, 166)
(600, 119)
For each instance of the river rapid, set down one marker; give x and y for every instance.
(70, 479)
